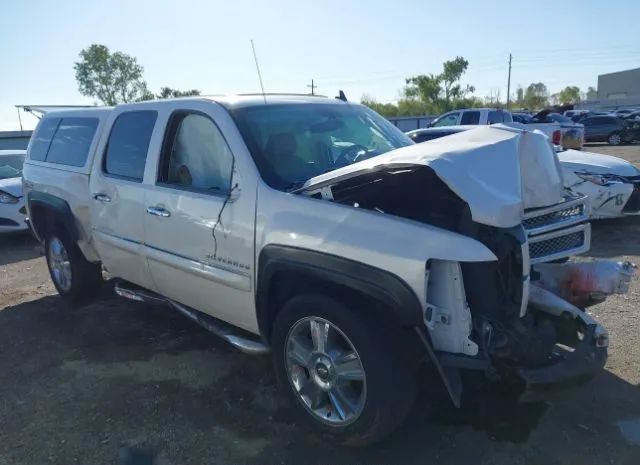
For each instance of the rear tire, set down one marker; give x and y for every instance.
(75, 279)
(614, 138)
(355, 404)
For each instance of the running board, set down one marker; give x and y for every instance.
(217, 327)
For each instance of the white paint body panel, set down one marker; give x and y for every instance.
(605, 201)
(399, 246)
(591, 162)
(187, 263)
(448, 316)
(11, 211)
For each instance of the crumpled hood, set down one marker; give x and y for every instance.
(578, 160)
(12, 186)
(498, 171)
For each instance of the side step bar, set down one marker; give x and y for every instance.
(221, 329)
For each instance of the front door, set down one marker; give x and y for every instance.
(118, 196)
(199, 219)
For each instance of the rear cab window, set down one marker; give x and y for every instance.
(126, 152)
(470, 118)
(499, 116)
(449, 119)
(63, 141)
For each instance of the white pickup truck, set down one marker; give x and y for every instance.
(313, 229)
(483, 116)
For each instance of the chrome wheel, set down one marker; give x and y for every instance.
(59, 264)
(615, 139)
(325, 371)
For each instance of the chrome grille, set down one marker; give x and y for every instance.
(554, 246)
(572, 211)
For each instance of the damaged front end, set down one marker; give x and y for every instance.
(524, 315)
(517, 319)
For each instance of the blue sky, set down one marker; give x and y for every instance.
(355, 45)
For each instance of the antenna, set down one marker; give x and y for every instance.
(255, 58)
(19, 118)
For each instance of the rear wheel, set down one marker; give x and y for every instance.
(614, 139)
(73, 276)
(346, 374)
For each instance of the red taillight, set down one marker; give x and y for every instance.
(556, 138)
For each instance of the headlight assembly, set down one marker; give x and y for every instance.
(8, 198)
(599, 179)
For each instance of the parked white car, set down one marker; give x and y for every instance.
(12, 209)
(314, 229)
(611, 184)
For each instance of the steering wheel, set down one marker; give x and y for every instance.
(350, 155)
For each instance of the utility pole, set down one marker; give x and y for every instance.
(313, 87)
(509, 84)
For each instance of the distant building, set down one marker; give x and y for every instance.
(619, 85)
(615, 91)
(14, 140)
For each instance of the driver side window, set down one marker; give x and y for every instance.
(450, 119)
(196, 155)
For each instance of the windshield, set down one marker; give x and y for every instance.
(291, 143)
(11, 166)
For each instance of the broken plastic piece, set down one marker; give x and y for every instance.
(586, 283)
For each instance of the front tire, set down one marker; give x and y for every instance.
(346, 372)
(614, 139)
(75, 279)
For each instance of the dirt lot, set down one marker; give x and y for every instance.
(81, 385)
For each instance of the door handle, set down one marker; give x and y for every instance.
(102, 197)
(158, 211)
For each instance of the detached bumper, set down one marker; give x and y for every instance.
(570, 369)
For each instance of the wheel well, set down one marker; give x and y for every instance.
(44, 220)
(286, 284)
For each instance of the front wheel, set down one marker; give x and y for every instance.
(344, 371)
(615, 139)
(73, 276)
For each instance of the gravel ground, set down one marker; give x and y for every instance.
(83, 385)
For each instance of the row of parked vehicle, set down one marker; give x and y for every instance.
(573, 132)
(314, 229)
(624, 113)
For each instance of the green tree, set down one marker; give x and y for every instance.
(168, 92)
(536, 96)
(385, 109)
(570, 94)
(425, 88)
(592, 93)
(412, 107)
(112, 78)
(520, 96)
(450, 78)
(440, 92)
